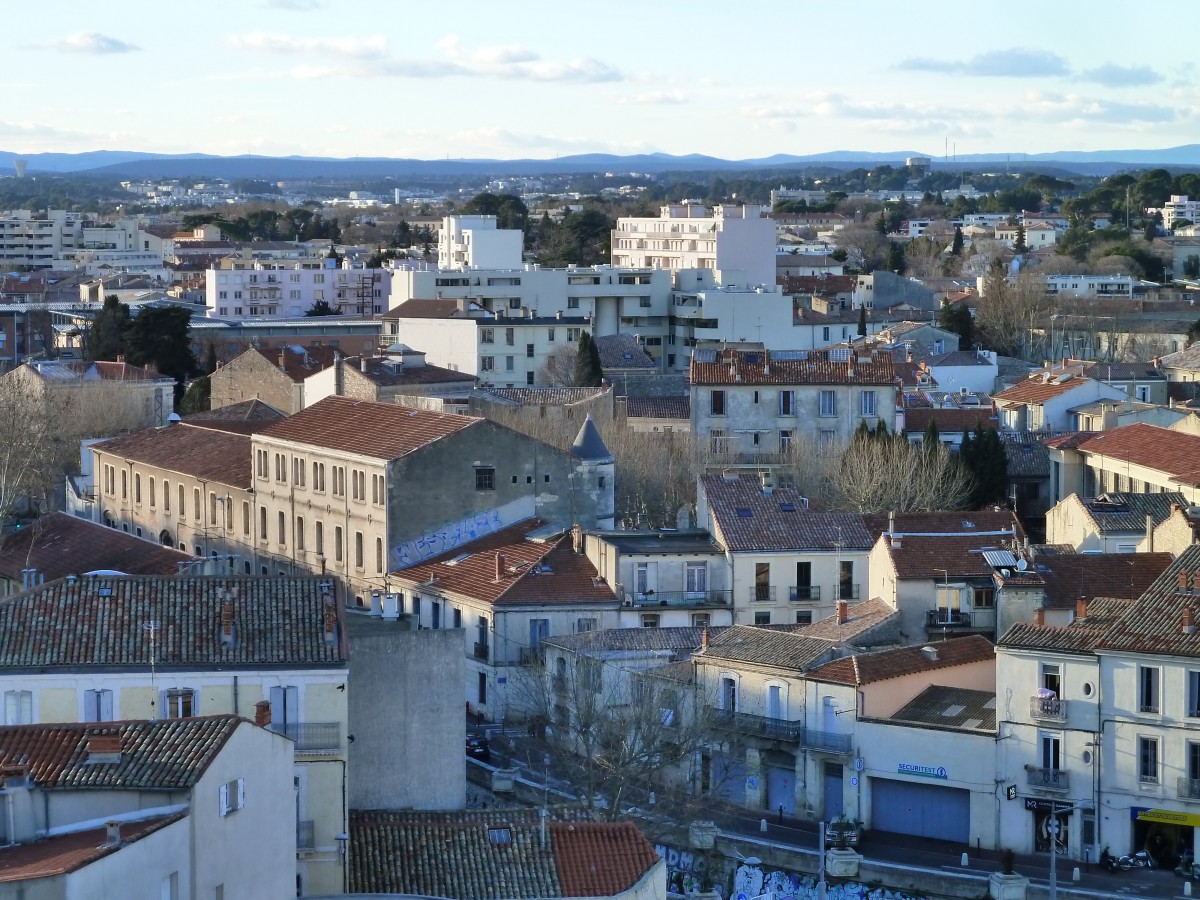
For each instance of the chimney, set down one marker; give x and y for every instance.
(362, 364)
(376, 603)
(1149, 533)
(577, 538)
(330, 624)
(1185, 582)
(112, 833)
(120, 357)
(282, 358)
(1187, 621)
(897, 541)
(766, 362)
(499, 566)
(103, 748)
(1081, 607)
(768, 488)
(391, 607)
(262, 713)
(843, 612)
(1039, 617)
(227, 623)
(930, 653)
(704, 638)
(891, 521)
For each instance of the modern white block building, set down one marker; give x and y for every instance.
(244, 288)
(474, 242)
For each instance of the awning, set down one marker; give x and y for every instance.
(1169, 817)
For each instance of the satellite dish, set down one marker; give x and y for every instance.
(1022, 565)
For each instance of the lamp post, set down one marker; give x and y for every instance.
(1052, 828)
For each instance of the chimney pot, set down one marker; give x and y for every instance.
(704, 638)
(577, 538)
(843, 612)
(1039, 617)
(330, 624)
(112, 833)
(1081, 608)
(262, 713)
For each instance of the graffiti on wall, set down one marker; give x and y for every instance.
(447, 537)
(751, 883)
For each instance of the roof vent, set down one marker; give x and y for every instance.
(112, 833)
(930, 653)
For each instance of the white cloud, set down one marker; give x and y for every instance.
(290, 45)
(92, 43)
(1012, 63)
(292, 5)
(1113, 75)
(1072, 108)
(653, 98)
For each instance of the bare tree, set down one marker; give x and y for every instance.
(559, 370)
(889, 473)
(35, 448)
(1009, 311)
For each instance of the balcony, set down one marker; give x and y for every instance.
(804, 592)
(1187, 788)
(481, 650)
(679, 598)
(1047, 779)
(762, 593)
(847, 591)
(306, 835)
(533, 656)
(960, 619)
(782, 729)
(311, 737)
(1049, 709)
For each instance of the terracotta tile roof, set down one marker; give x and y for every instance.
(1175, 453)
(381, 430)
(767, 647)
(1027, 456)
(162, 754)
(1069, 441)
(453, 855)
(52, 856)
(818, 284)
(683, 639)
(734, 366)
(861, 618)
(428, 308)
(1081, 636)
(747, 519)
(206, 453)
(907, 372)
(102, 370)
(278, 621)
(1091, 575)
(298, 363)
(951, 709)
(247, 417)
(679, 408)
(60, 544)
(544, 396)
(1187, 358)
(535, 571)
(950, 420)
(1126, 512)
(950, 556)
(384, 372)
(1035, 391)
(1152, 625)
(866, 668)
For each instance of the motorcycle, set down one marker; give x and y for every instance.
(1126, 861)
(1188, 867)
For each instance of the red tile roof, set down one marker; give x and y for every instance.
(163, 754)
(938, 523)
(1035, 391)
(865, 668)
(428, 308)
(735, 366)
(381, 430)
(60, 544)
(205, 453)
(1070, 577)
(950, 420)
(600, 859)
(58, 855)
(860, 618)
(535, 571)
(300, 365)
(1175, 453)
(1081, 636)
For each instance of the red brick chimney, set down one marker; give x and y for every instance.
(1039, 617)
(227, 623)
(330, 624)
(577, 538)
(262, 713)
(104, 748)
(1185, 581)
(1187, 624)
(704, 638)
(1081, 607)
(500, 566)
(843, 612)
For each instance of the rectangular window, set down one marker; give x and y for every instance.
(1148, 683)
(510, 363)
(299, 533)
(319, 536)
(785, 440)
(337, 543)
(18, 707)
(573, 334)
(762, 617)
(359, 480)
(281, 529)
(281, 468)
(485, 478)
(717, 403)
(124, 485)
(232, 796)
(246, 517)
(358, 550)
(379, 557)
(529, 351)
(98, 706)
(487, 364)
(298, 468)
(481, 689)
(787, 403)
(167, 497)
(196, 504)
(339, 481)
(152, 496)
(179, 703)
(318, 477)
(1193, 694)
(487, 335)
(828, 404)
(696, 579)
(1148, 760)
(866, 404)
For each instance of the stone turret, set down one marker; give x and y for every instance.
(595, 473)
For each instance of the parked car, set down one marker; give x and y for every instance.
(841, 832)
(478, 748)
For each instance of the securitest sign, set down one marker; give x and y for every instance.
(922, 771)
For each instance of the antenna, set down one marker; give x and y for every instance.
(151, 628)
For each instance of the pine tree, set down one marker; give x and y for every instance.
(957, 247)
(106, 338)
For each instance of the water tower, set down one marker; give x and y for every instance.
(20, 165)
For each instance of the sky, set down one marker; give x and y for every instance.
(515, 79)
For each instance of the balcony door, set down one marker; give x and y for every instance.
(646, 578)
(697, 580)
(774, 701)
(728, 695)
(285, 708)
(762, 581)
(1050, 747)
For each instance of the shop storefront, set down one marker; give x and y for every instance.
(1164, 833)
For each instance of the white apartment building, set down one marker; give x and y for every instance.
(474, 242)
(1104, 286)
(1180, 206)
(246, 288)
(736, 242)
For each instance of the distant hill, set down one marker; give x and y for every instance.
(129, 164)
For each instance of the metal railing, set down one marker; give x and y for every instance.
(306, 835)
(1187, 788)
(679, 598)
(847, 591)
(960, 618)
(1048, 779)
(481, 650)
(764, 593)
(1048, 708)
(311, 737)
(804, 592)
(782, 729)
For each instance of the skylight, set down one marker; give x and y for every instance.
(744, 512)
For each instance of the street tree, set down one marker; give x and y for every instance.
(983, 456)
(1009, 311)
(159, 337)
(322, 308)
(956, 317)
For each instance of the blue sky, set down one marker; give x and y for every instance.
(526, 78)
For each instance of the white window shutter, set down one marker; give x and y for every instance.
(224, 799)
(278, 716)
(11, 708)
(291, 705)
(90, 706)
(106, 706)
(241, 792)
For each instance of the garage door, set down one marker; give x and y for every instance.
(923, 810)
(781, 790)
(727, 778)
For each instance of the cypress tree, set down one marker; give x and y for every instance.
(588, 371)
